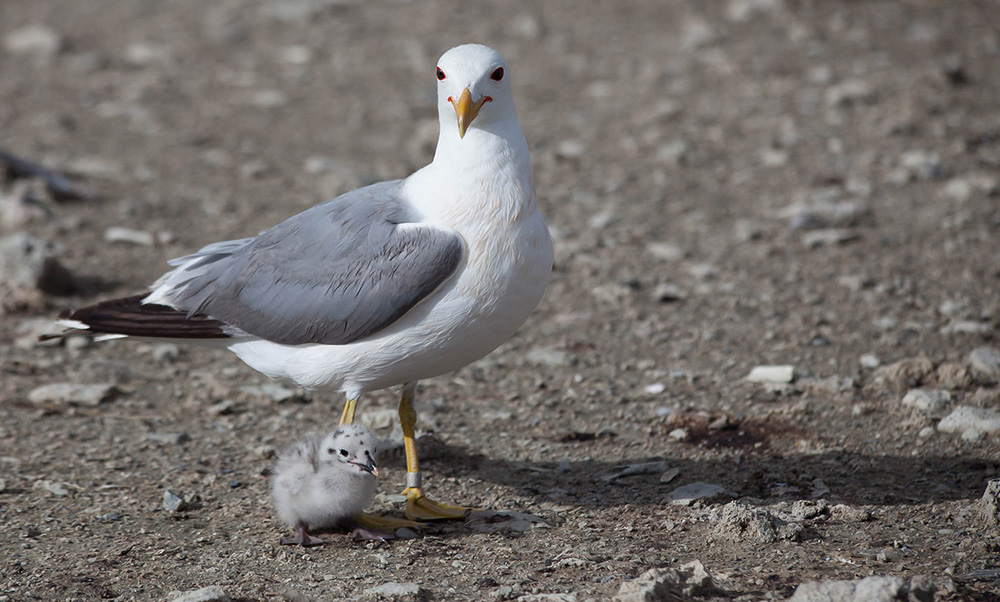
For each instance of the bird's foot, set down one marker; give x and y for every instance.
(301, 537)
(422, 508)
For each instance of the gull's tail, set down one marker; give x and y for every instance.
(129, 316)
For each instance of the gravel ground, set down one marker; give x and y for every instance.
(729, 185)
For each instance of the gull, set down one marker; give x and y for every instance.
(382, 286)
(326, 481)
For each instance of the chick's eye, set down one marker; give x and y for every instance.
(343, 453)
(496, 76)
(440, 74)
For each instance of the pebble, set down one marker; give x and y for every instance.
(989, 505)
(927, 400)
(744, 10)
(927, 431)
(665, 251)
(272, 391)
(870, 361)
(678, 434)
(673, 152)
(37, 41)
(828, 237)
(904, 374)
(548, 358)
(504, 521)
(144, 54)
(396, 591)
(695, 492)
(128, 235)
(73, 394)
(296, 54)
(168, 438)
(771, 374)
(571, 149)
(655, 388)
(703, 271)
(819, 212)
(869, 589)
(667, 292)
(28, 261)
(174, 502)
(670, 475)
(571, 597)
(740, 521)
(55, 488)
(849, 92)
(691, 580)
(985, 361)
(212, 593)
(966, 418)
(643, 468)
(967, 327)
(808, 509)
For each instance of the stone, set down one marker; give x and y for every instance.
(821, 212)
(168, 438)
(669, 585)
(951, 375)
(985, 361)
(212, 593)
(828, 237)
(667, 292)
(697, 492)
(904, 374)
(921, 164)
(870, 361)
(869, 589)
(927, 400)
(849, 92)
(967, 327)
(771, 374)
(964, 418)
(174, 502)
(396, 591)
(548, 358)
(28, 261)
(504, 521)
(128, 235)
(740, 521)
(744, 10)
(665, 251)
(54, 488)
(571, 597)
(73, 394)
(37, 41)
(643, 468)
(809, 509)
(273, 391)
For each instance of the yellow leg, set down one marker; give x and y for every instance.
(348, 416)
(418, 506)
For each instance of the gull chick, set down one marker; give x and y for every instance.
(325, 481)
(382, 286)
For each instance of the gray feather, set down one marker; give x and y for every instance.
(333, 274)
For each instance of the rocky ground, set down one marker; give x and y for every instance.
(730, 184)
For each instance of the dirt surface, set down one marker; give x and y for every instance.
(729, 184)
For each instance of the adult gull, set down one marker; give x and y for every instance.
(384, 285)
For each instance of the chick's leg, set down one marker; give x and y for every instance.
(418, 506)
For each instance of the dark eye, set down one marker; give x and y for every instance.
(440, 74)
(343, 453)
(330, 451)
(496, 76)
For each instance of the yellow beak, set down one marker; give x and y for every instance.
(466, 110)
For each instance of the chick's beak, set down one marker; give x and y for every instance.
(466, 109)
(369, 468)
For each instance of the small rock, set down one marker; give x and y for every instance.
(971, 435)
(144, 54)
(165, 352)
(828, 237)
(667, 292)
(951, 375)
(927, 400)
(870, 589)
(904, 374)
(678, 434)
(964, 418)
(406, 533)
(169, 438)
(740, 521)
(850, 513)
(771, 374)
(870, 361)
(396, 591)
(212, 593)
(703, 271)
(38, 41)
(985, 361)
(665, 251)
(744, 10)
(27, 261)
(670, 475)
(673, 152)
(848, 93)
(821, 212)
(504, 521)
(296, 54)
(92, 166)
(665, 585)
(548, 358)
(74, 394)
(967, 327)
(808, 509)
(268, 99)
(273, 391)
(921, 164)
(55, 488)
(697, 492)
(127, 235)
(655, 388)
(632, 470)
(571, 597)
(571, 149)
(222, 408)
(174, 502)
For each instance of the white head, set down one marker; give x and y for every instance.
(351, 447)
(473, 90)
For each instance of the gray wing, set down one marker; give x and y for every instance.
(333, 274)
